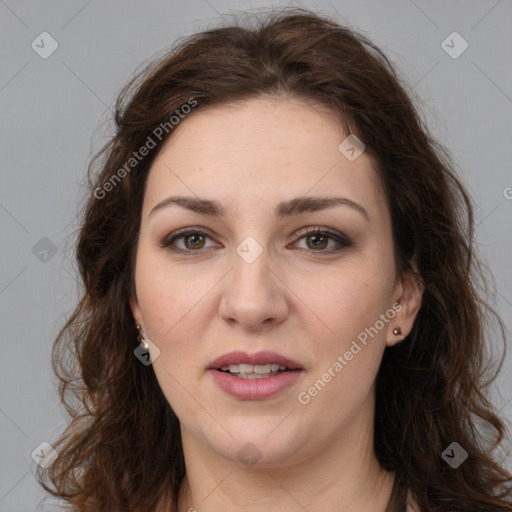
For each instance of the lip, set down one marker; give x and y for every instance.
(264, 357)
(254, 389)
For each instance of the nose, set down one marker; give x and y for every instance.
(254, 294)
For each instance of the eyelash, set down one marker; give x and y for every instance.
(342, 240)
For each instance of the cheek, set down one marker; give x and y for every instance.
(169, 304)
(350, 351)
(346, 302)
(172, 303)
(165, 294)
(351, 348)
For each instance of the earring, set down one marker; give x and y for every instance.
(397, 331)
(141, 340)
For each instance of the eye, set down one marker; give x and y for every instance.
(320, 237)
(194, 240)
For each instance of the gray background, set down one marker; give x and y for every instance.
(53, 120)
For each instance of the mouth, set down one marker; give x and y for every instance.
(257, 365)
(256, 376)
(254, 371)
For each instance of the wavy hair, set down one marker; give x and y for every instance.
(121, 450)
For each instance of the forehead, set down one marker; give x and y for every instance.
(261, 151)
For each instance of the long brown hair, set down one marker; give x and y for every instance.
(122, 448)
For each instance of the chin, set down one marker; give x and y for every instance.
(263, 443)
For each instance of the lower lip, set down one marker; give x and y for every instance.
(255, 389)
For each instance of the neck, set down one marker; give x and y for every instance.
(344, 475)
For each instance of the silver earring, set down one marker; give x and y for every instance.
(397, 331)
(140, 339)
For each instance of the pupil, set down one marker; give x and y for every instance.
(316, 237)
(191, 237)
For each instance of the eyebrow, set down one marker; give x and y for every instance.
(297, 206)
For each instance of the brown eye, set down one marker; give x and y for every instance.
(196, 241)
(193, 241)
(318, 239)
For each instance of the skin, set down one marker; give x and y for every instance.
(304, 302)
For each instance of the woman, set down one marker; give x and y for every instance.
(280, 310)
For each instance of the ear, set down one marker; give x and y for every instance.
(134, 306)
(407, 299)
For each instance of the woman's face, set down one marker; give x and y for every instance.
(253, 280)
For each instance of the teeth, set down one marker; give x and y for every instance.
(250, 376)
(247, 369)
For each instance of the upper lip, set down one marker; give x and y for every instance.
(265, 357)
